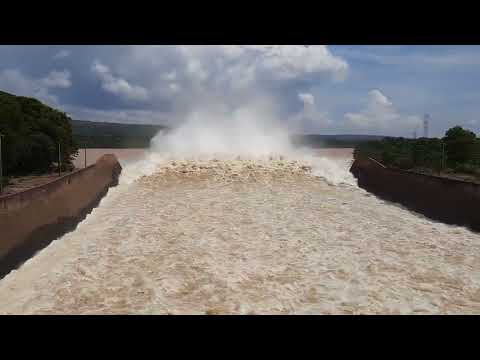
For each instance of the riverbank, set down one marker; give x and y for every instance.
(22, 183)
(31, 219)
(448, 175)
(451, 201)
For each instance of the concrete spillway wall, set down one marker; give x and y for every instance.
(447, 200)
(31, 219)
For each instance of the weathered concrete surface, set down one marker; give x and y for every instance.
(450, 201)
(124, 156)
(30, 220)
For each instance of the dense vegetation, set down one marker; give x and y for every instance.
(457, 152)
(113, 135)
(32, 134)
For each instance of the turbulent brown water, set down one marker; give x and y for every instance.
(236, 236)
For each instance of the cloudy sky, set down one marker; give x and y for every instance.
(315, 89)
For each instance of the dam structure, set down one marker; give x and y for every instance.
(31, 219)
(243, 235)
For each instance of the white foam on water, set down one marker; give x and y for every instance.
(251, 132)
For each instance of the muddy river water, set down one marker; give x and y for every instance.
(240, 236)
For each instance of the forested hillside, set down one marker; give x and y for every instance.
(113, 135)
(32, 133)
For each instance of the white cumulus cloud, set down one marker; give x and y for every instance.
(60, 79)
(178, 80)
(381, 116)
(17, 83)
(246, 63)
(118, 85)
(290, 61)
(309, 118)
(226, 71)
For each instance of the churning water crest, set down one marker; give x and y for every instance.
(234, 220)
(251, 134)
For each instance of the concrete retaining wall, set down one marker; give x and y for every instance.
(30, 220)
(446, 200)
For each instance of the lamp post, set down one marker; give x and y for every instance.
(1, 164)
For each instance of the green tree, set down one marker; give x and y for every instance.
(460, 145)
(33, 132)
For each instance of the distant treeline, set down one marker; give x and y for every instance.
(332, 141)
(457, 152)
(111, 142)
(91, 134)
(32, 134)
(114, 135)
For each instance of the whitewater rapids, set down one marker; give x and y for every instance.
(271, 236)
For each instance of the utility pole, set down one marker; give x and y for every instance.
(1, 165)
(59, 161)
(443, 155)
(85, 153)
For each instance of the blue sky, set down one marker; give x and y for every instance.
(315, 89)
(440, 80)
